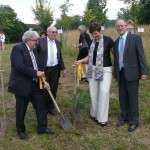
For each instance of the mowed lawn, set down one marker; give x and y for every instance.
(85, 134)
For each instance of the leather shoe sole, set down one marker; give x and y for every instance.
(22, 136)
(47, 131)
(132, 127)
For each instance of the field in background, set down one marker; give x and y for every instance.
(85, 135)
(72, 38)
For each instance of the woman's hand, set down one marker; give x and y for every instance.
(74, 45)
(76, 63)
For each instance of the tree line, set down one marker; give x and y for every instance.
(137, 10)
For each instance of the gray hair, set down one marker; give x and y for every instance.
(51, 28)
(122, 20)
(82, 28)
(29, 35)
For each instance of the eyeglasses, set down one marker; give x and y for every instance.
(53, 32)
(120, 26)
(35, 40)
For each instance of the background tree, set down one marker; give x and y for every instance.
(133, 6)
(95, 11)
(75, 21)
(43, 14)
(125, 13)
(65, 20)
(10, 25)
(110, 23)
(144, 12)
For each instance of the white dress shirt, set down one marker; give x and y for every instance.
(55, 53)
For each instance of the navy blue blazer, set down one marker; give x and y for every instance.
(22, 70)
(133, 59)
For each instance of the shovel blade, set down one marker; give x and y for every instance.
(4, 122)
(65, 123)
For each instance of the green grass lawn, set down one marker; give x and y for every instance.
(86, 134)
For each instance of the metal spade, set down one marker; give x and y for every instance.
(64, 122)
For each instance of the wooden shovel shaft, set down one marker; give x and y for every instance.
(52, 97)
(50, 93)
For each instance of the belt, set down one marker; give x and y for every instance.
(49, 67)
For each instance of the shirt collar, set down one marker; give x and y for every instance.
(124, 35)
(50, 40)
(28, 47)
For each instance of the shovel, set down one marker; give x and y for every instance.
(4, 121)
(64, 122)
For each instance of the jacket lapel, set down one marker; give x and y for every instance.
(117, 48)
(27, 51)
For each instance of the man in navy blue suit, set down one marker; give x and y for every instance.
(24, 84)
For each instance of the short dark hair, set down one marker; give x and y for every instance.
(95, 26)
(43, 32)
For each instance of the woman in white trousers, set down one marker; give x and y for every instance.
(99, 74)
(100, 92)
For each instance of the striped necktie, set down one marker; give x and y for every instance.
(33, 60)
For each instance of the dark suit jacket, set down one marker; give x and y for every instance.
(133, 59)
(43, 53)
(22, 70)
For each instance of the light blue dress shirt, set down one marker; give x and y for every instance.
(121, 52)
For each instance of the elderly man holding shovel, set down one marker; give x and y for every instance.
(24, 84)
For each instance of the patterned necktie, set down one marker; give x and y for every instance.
(51, 53)
(121, 52)
(33, 59)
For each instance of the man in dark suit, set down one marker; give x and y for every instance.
(129, 67)
(51, 62)
(24, 84)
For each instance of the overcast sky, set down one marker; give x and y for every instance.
(24, 11)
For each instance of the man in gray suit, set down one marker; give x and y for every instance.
(51, 62)
(129, 67)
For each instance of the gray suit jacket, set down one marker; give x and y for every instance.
(134, 58)
(43, 53)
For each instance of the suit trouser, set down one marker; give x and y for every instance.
(36, 98)
(100, 92)
(128, 97)
(52, 77)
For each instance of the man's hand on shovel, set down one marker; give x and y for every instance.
(43, 83)
(46, 85)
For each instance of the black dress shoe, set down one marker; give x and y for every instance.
(22, 136)
(102, 124)
(52, 112)
(93, 119)
(121, 122)
(47, 131)
(132, 127)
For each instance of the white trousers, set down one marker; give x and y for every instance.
(100, 93)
